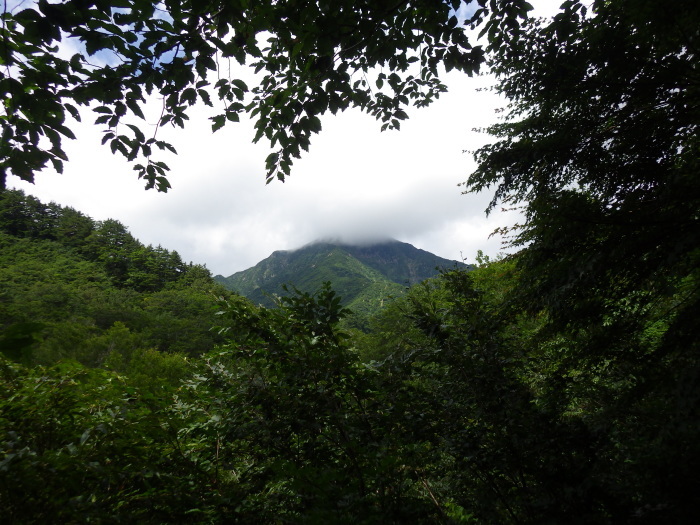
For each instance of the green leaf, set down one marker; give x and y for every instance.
(135, 108)
(218, 122)
(72, 110)
(65, 131)
(57, 164)
(240, 85)
(137, 132)
(85, 436)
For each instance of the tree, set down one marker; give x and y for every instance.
(599, 148)
(293, 427)
(24, 216)
(112, 245)
(313, 57)
(80, 445)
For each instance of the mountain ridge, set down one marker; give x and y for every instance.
(362, 274)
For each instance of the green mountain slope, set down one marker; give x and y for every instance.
(364, 276)
(72, 288)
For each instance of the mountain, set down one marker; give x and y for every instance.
(363, 275)
(76, 289)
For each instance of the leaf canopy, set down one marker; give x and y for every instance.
(600, 149)
(312, 58)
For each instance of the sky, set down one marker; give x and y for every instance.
(355, 184)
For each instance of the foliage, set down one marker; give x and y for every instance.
(556, 385)
(538, 425)
(600, 149)
(71, 288)
(80, 446)
(312, 58)
(392, 332)
(600, 146)
(457, 408)
(288, 413)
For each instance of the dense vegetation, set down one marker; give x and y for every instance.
(558, 385)
(73, 288)
(456, 407)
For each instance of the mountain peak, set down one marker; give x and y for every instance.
(361, 271)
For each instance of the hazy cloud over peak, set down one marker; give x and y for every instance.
(355, 184)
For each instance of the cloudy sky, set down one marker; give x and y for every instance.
(355, 183)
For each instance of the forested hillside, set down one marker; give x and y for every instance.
(560, 384)
(73, 288)
(457, 406)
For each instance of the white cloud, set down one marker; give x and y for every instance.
(355, 182)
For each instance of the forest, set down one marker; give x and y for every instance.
(558, 384)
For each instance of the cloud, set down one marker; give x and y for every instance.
(355, 183)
